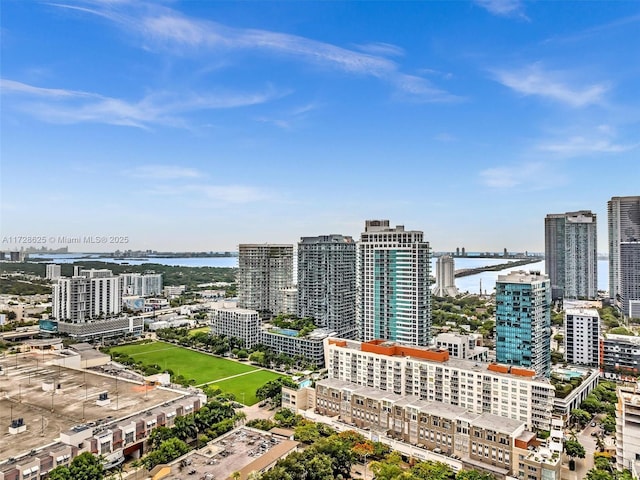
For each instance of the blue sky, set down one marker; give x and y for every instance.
(200, 125)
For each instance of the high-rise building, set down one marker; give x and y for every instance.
(143, 285)
(327, 282)
(629, 275)
(445, 277)
(394, 296)
(96, 273)
(263, 271)
(523, 321)
(80, 299)
(53, 271)
(582, 336)
(624, 226)
(571, 256)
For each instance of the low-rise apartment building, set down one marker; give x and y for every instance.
(622, 354)
(113, 441)
(432, 375)
(481, 441)
(227, 319)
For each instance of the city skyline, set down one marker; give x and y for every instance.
(193, 126)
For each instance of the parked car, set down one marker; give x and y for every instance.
(593, 424)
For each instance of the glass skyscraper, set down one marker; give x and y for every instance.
(571, 256)
(523, 321)
(264, 271)
(327, 282)
(624, 226)
(393, 277)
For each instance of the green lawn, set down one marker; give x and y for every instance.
(201, 367)
(198, 330)
(247, 384)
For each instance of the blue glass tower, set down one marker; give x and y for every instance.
(523, 321)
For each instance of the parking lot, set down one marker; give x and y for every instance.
(230, 453)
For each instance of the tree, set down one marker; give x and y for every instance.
(363, 450)
(287, 418)
(388, 469)
(609, 424)
(574, 449)
(474, 475)
(167, 451)
(597, 474)
(591, 404)
(257, 357)
(432, 470)
(185, 427)
(603, 463)
(86, 466)
(307, 432)
(581, 416)
(159, 435)
(339, 450)
(60, 473)
(273, 389)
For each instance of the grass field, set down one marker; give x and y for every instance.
(201, 367)
(198, 330)
(247, 384)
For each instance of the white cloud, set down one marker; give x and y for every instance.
(512, 176)
(11, 86)
(213, 194)
(579, 145)
(162, 172)
(534, 80)
(69, 106)
(380, 48)
(503, 8)
(416, 88)
(164, 28)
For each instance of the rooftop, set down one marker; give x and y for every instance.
(469, 365)
(23, 397)
(242, 450)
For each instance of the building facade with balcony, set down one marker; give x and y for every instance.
(393, 284)
(327, 282)
(481, 441)
(503, 390)
(582, 336)
(523, 321)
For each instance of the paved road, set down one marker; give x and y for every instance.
(583, 465)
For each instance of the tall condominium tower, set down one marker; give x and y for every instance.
(629, 275)
(144, 285)
(83, 298)
(582, 336)
(327, 282)
(445, 277)
(53, 271)
(571, 256)
(523, 321)
(624, 226)
(393, 298)
(264, 270)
